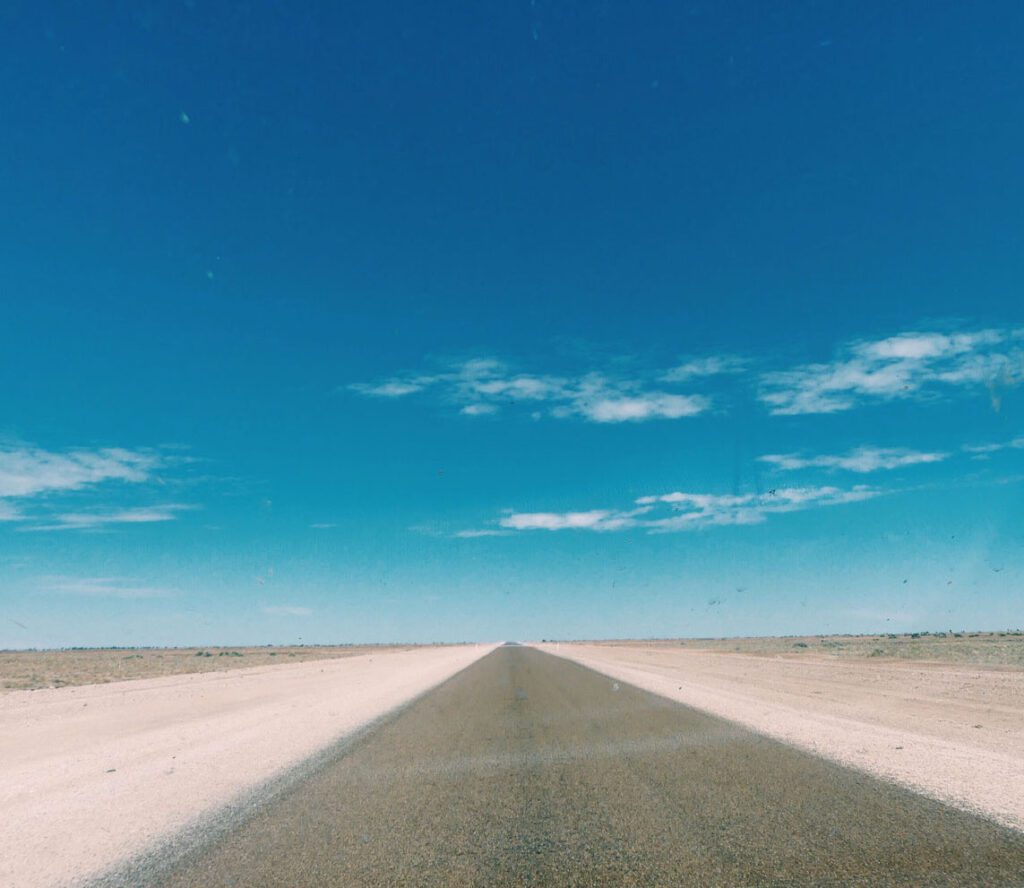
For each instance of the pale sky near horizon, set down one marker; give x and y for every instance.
(392, 323)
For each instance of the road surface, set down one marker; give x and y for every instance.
(527, 769)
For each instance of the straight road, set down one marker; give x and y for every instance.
(526, 769)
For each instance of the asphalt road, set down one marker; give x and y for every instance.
(526, 769)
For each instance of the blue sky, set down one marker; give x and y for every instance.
(392, 322)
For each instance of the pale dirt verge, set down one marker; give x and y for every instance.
(954, 733)
(93, 774)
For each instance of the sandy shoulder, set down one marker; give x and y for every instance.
(954, 733)
(90, 775)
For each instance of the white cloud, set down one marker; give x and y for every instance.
(696, 500)
(102, 587)
(394, 388)
(903, 366)
(473, 534)
(786, 499)
(483, 386)
(323, 525)
(922, 346)
(91, 520)
(517, 388)
(912, 364)
(34, 484)
(697, 368)
(679, 511)
(983, 450)
(694, 511)
(596, 519)
(281, 610)
(27, 471)
(861, 459)
(650, 405)
(479, 409)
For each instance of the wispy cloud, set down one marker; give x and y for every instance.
(861, 459)
(484, 386)
(907, 365)
(616, 407)
(913, 364)
(595, 519)
(35, 486)
(395, 388)
(680, 511)
(698, 368)
(26, 471)
(982, 451)
(694, 511)
(479, 409)
(102, 587)
(282, 610)
(94, 520)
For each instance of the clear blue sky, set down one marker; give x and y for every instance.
(369, 322)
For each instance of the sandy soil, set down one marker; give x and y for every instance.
(29, 670)
(92, 774)
(952, 732)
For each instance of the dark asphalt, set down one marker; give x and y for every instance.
(526, 769)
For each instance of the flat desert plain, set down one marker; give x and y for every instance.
(940, 714)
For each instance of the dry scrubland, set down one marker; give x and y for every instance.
(31, 670)
(969, 648)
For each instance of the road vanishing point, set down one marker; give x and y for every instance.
(529, 770)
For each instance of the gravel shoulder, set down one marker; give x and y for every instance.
(90, 775)
(953, 732)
